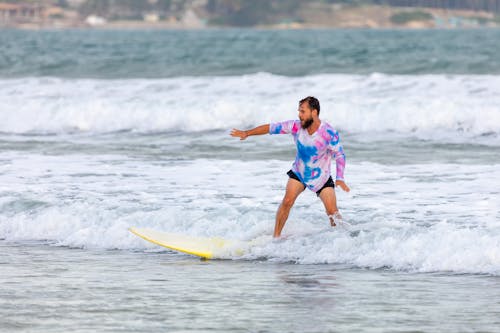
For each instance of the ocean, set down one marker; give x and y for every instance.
(104, 130)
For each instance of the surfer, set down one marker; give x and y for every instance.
(317, 143)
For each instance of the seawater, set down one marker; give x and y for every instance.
(130, 291)
(104, 130)
(160, 54)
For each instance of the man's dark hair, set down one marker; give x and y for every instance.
(312, 101)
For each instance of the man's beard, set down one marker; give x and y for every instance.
(307, 123)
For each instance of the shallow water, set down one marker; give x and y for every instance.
(56, 289)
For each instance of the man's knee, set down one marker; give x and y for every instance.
(288, 202)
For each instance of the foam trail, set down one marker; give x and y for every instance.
(402, 218)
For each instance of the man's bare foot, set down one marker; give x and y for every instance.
(334, 217)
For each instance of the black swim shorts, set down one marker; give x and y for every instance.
(329, 182)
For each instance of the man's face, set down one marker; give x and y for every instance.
(305, 115)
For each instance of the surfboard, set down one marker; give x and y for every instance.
(203, 247)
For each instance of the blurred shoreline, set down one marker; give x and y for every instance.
(307, 16)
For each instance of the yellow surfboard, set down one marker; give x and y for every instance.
(198, 246)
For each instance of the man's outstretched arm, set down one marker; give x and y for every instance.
(260, 130)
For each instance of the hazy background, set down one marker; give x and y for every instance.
(283, 14)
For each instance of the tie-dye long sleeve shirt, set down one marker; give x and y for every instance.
(314, 152)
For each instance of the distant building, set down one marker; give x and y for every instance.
(191, 20)
(53, 12)
(476, 5)
(95, 21)
(151, 17)
(18, 13)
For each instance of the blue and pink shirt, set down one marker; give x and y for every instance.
(314, 152)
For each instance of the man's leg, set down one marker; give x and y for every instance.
(327, 195)
(293, 189)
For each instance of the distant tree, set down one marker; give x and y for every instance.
(405, 17)
(286, 6)
(62, 3)
(163, 5)
(98, 7)
(211, 6)
(135, 6)
(486, 5)
(249, 13)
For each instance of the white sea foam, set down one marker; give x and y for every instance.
(402, 218)
(445, 107)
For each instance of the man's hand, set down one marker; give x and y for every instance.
(239, 134)
(342, 185)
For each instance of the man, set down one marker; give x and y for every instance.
(317, 142)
